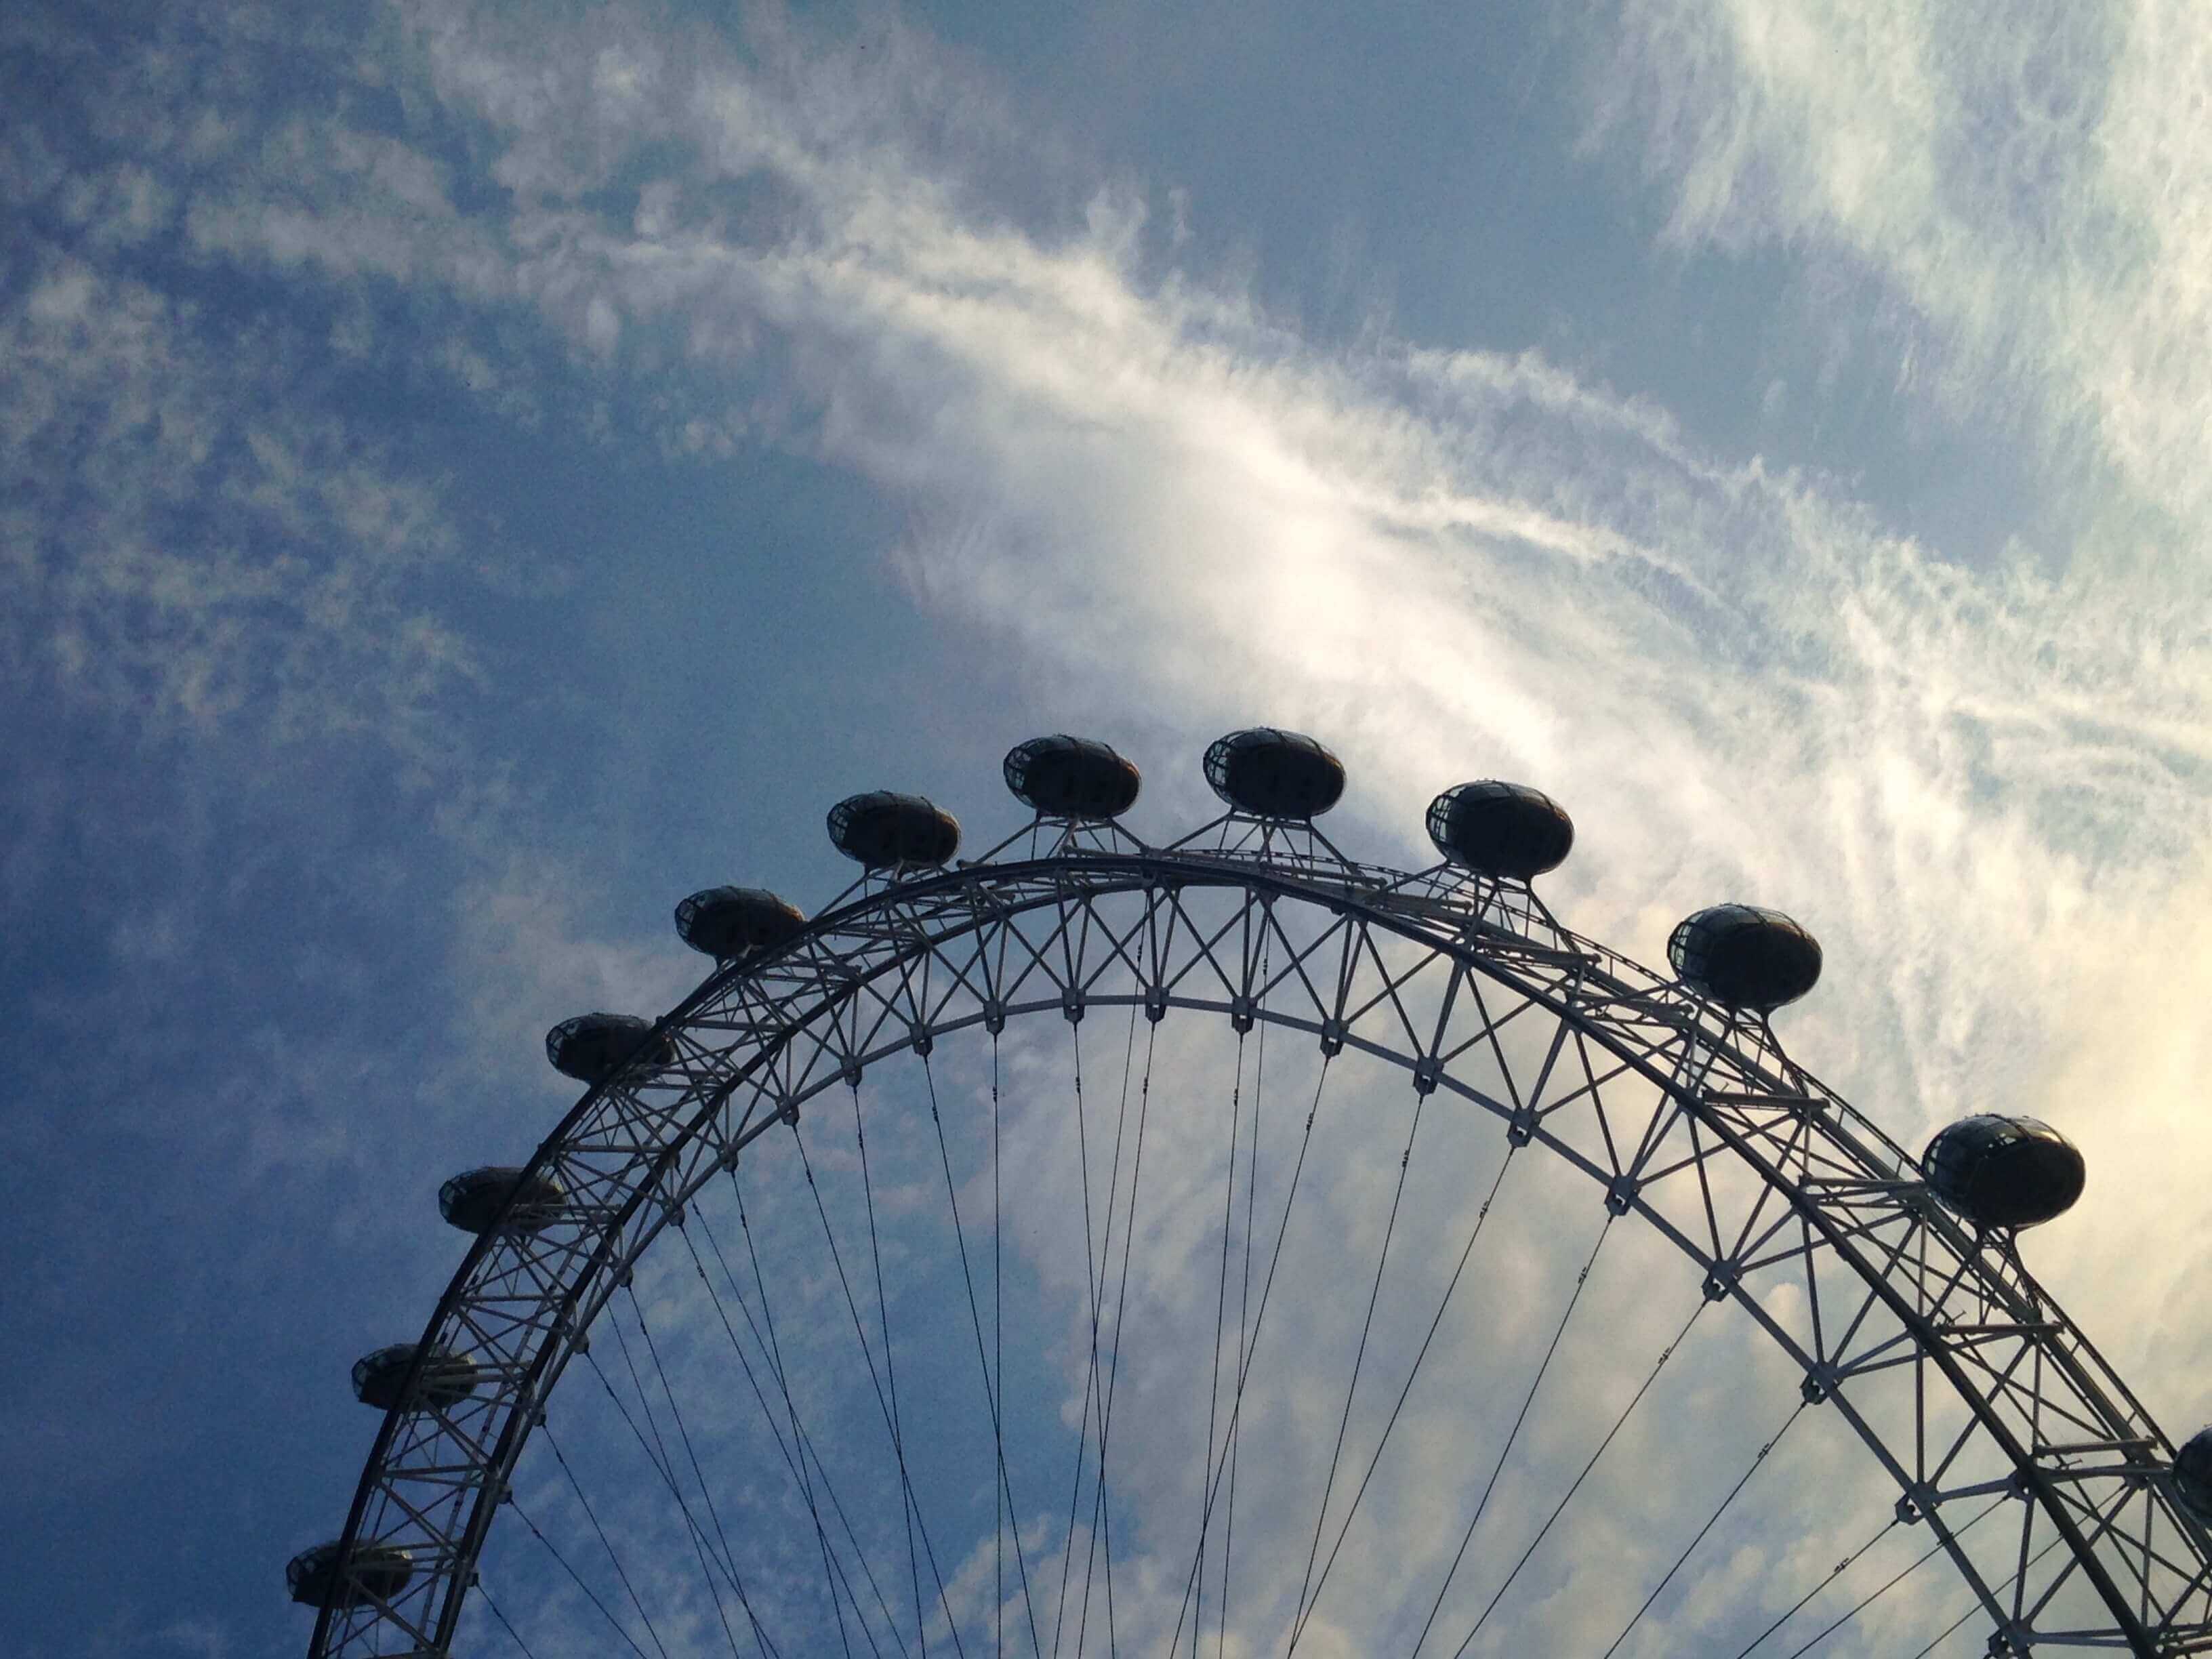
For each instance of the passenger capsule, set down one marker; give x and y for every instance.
(1065, 777)
(2003, 1172)
(882, 830)
(1274, 774)
(380, 1379)
(592, 1048)
(1501, 828)
(477, 1200)
(2192, 1475)
(729, 922)
(1744, 957)
(374, 1572)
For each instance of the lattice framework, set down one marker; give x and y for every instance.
(1954, 1367)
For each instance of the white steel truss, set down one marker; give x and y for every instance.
(1684, 1115)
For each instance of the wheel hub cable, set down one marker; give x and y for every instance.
(2018, 1574)
(1006, 1494)
(1574, 1298)
(1220, 1312)
(911, 1505)
(783, 1381)
(1102, 1517)
(1921, 1560)
(798, 1472)
(512, 1634)
(910, 1511)
(1665, 1354)
(664, 1467)
(1259, 1317)
(713, 1513)
(590, 1515)
(590, 1594)
(1405, 1392)
(1711, 1520)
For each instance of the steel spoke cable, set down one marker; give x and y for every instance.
(1559, 1509)
(907, 1511)
(662, 1461)
(1260, 1314)
(513, 1635)
(622, 1406)
(999, 1392)
(1003, 1500)
(1950, 1629)
(661, 1468)
(1099, 1506)
(575, 1485)
(665, 1468)
(883, 1403)
(1220, 1310)
(1405, 1392)
(1921, 1560)
(783, 1379)
(1103, 1523)
(775, 1428)
(1243, 1299)
(1712, 1521)
(1574, 1297)
(1833, 1574)
(1090, 1394)
(590, 1593)
(706, 1492)
(1351, 1389)
(802, 1439)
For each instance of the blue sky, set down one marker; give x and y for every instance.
(475, 474)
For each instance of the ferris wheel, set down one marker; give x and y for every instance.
(1226, 1246)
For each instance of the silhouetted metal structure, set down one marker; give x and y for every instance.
(728, 923)
(1269, 774)
(391, 1377)
(884, 831)
(1504, 829)
(592, 1048)
(2010, 1172)
(1670, 1094)
(1075, 778)
(1745, 957)
(502, 1199)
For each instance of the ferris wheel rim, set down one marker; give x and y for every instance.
(1115, 872)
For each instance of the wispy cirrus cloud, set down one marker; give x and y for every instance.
(1166, 501)
(2015, 208)
(1158, 507)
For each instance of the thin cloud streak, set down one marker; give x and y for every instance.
(2031, 203)
(1983, 788)
(1970, 782)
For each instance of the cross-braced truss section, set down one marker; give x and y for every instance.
(1966, 1383)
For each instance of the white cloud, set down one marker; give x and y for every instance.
(186, 553)
(2027, 193)
(1982, 787)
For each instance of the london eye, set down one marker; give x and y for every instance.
(1222, 1244)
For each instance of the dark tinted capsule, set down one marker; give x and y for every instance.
(2192, 1475)
(2003, 1172)
(729, 922)
(380, 1379)
(592, 1048)
(1501, 828)
(477, 1200)
(373, 1573)
(1745, 957)
(1065, 777)
(1269, 774)
(882, 830)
